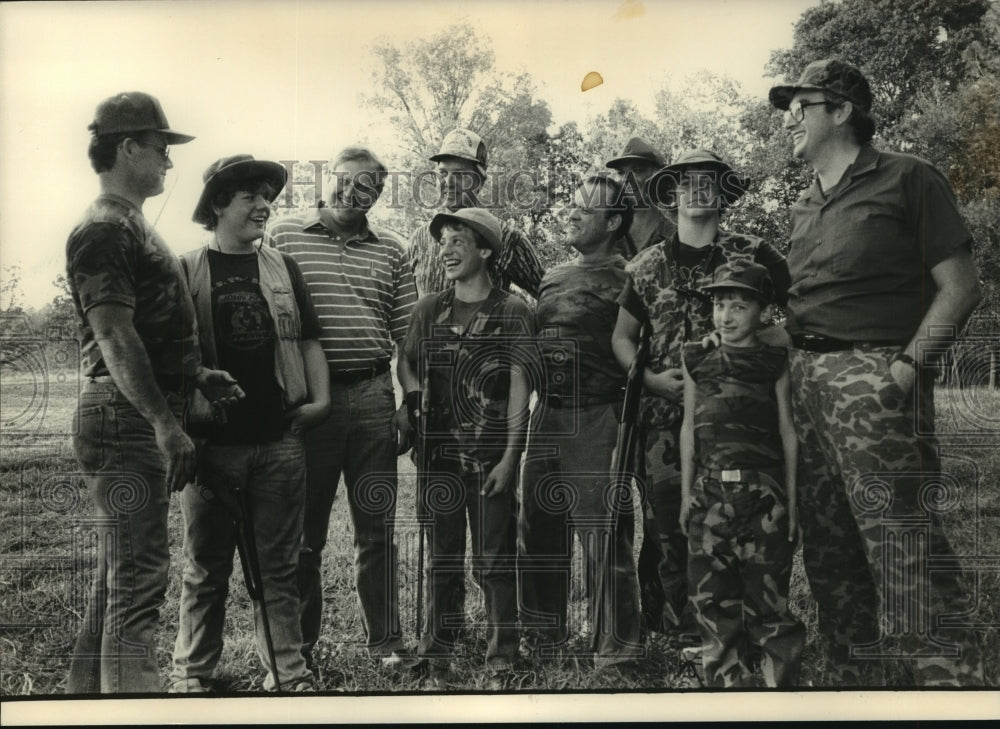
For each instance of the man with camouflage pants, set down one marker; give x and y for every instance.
(881, 267)
(663, 289)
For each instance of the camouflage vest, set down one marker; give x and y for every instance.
(677, 309)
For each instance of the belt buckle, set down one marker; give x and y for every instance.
(732, 475)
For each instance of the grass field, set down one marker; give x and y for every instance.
(42, 501)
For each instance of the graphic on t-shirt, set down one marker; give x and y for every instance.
(249, 322)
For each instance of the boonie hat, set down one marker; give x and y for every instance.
(636, 150)
(733, 185)
(133, 111)
(745, 275)
(232, 169)
(831, 75)
(481, 221)
(463, 144)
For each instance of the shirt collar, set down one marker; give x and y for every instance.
(313, 220)
(866, 161)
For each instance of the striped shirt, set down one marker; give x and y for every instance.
(362, 287)
(517, 263)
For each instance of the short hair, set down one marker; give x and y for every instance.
(225, 194)
(477, 237)
(103, 150)
(356, 153)
(618, 201)
(860, 122)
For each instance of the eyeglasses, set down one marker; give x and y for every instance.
(163, 151)
(798, 109)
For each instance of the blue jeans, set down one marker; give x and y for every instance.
(273, 475)
(566, 489)
(356, 440)
(126, 478)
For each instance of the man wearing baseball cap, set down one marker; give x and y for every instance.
(255, 319)
(663, 293)
(461, 172)
(468, 349)
(882, 281)
(140, 359)
(638, 162)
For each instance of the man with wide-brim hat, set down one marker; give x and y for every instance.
(255, 319)
(460, 166)
(140, 359)
(663, 293)
(636, 164)
(883, 279)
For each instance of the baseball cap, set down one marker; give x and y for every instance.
(481, 221)
(745, 275)
(463, 144)
(831, 75)
(636, 150)
(733, 184)
(232, 169)
(133, 111)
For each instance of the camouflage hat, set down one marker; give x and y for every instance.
(237, 168)
(745, 275)
(733, 184)
(463, 144)
(636, 150)
(481, 221)
(133, 111)
(836, 77)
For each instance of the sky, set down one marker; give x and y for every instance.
(283, 80)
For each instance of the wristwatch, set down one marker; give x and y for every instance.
(904, 358)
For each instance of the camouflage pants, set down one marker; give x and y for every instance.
(566, 492)
(739, 566)
(663, 556)
(869, 492)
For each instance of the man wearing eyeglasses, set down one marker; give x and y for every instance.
(663, 292)
(140, 359)
(882, 281)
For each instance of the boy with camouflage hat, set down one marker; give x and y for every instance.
(737, 446)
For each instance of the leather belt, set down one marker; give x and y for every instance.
(167, 383)
(816, 343)
(349, 377)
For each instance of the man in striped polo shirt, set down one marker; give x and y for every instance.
(361, 282)
(461, 172)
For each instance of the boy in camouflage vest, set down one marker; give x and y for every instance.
(738, 505)
(469, 346)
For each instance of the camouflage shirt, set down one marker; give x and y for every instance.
(517, 263)
(665, 291)
(736, 410)
(577, 310)
(465, 370)
(113, 256)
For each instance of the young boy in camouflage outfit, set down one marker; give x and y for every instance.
(738, 446)
(464, 345)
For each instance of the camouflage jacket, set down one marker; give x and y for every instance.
(671, 300)
(466, 372)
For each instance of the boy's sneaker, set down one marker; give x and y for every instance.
(305, 686)
(399, 660)
(188, 686)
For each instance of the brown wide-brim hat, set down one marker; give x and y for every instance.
(636, 150)
(733, 184)
(239, 167)
(831, 75)
(481, 221)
